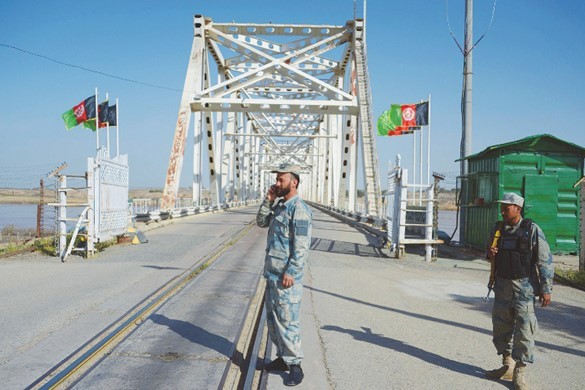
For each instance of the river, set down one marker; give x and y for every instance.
(21, 216)
(24, 216)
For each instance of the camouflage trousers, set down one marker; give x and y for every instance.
(513, 318)
(283, 319)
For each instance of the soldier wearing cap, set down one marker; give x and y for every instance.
(289, 239)
(523, 270)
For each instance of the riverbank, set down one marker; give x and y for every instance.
(33, 196)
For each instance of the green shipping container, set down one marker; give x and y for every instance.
(541, 168)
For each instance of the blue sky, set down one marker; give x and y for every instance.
(529, 76)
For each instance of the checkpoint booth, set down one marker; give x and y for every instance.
(544, 169)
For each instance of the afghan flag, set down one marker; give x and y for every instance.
(387, 122)
(403, 118)
(102, 117)
(410, 115)
(108, 116)
(80, 113)
(384, 123)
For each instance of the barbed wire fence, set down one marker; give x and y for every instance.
(450, 181)
(25, 192)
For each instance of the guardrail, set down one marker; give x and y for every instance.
(377, 226)
(144, 211)
(373, 224)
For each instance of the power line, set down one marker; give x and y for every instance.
(24, 176)
(88, 69)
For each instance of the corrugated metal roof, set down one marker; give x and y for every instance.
(530, 142)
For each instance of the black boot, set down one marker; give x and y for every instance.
(296, 375)
(276, 365)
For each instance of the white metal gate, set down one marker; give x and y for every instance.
(420, 209)
(108, 194)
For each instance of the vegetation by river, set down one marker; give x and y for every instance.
(33, 196)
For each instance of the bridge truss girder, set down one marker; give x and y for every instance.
(279, 97)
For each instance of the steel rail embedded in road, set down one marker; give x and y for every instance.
(241, 373)
(73, 367)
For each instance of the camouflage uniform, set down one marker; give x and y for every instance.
(289, 239)
(513, 317)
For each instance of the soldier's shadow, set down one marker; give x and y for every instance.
(366, 335)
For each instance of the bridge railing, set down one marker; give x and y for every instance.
(148, 209)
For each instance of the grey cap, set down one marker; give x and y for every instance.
(288, 168)
(512, 198)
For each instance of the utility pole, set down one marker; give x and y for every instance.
(466, 107)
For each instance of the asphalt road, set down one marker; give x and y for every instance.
(372, 322)
(50, 308)
(369, 321)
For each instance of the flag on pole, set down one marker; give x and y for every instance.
(422, 114)
(389, 122)
(403, 119)
(410, 115)
(102, 113)
(80, 113)
(103, 109)
(384, 123)
(111, 116)
(106, 116)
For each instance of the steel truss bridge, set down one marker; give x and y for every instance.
(265, 94)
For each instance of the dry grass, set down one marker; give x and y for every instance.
(32, 196)
(447, 201)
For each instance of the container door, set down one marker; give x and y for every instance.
(541, 204)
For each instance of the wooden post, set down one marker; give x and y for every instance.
(40, 209)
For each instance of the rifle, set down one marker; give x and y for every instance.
(492, 280)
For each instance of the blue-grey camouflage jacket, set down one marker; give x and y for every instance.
(544, 263)
(289, 236)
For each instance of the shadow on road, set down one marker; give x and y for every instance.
(406, 313)
(159, 267)
(486, 331)
(346, 248)
(557, 317)
(366, 335)
(448, 252)
(195, 334)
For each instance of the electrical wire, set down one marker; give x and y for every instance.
(480, 38)
(24, 176)
(88, 69)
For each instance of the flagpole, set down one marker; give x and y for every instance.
(413, 166)
(117, 131)
(97, 128)
(420, 167)
(365, 7)
(429, 145)
(107, 126)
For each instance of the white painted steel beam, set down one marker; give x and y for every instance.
(287, 100)
(193, 83)
(274, 105)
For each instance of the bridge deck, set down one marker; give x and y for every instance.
(368, 321)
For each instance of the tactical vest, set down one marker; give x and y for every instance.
(514, 257)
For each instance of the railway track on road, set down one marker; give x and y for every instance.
(240, 367)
